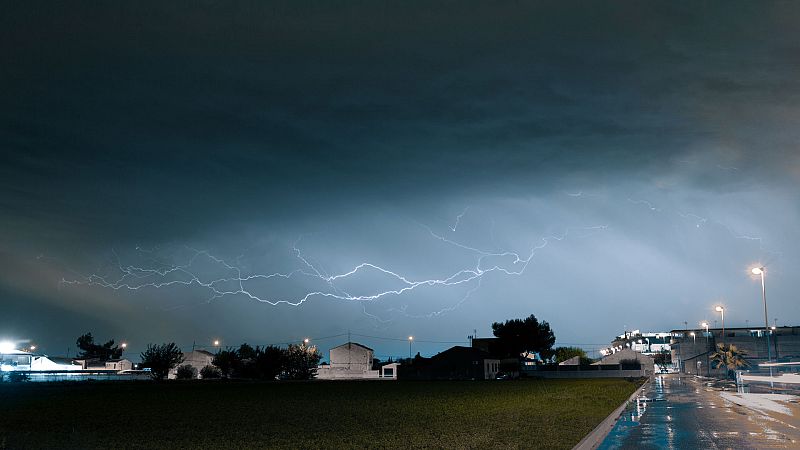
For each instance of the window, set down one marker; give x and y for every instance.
(388, 372)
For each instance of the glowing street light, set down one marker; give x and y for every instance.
(216, 342)
(694, 337)
(305, 341)
(124, 345)
(705, 325)
(33, 347)
(721, 310)
(410, 341)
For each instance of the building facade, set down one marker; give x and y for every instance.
(692, 349)
(353, 361)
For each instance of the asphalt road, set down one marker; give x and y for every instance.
(679, 412)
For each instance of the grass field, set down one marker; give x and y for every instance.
(493, 414)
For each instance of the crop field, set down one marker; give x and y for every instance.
(367, 414)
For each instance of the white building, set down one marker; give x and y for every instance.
(648, 343)
(119, 364)
(17, 360)
(352, 361)
(197, 359)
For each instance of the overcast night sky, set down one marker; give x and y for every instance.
(599, 164)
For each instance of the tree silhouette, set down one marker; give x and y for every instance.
(103, 352)
(520, 335)
(730, 357)
(160, 359)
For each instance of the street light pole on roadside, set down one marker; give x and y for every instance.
(767, 331)
(721, 310)
(410, 341)
(708, 363)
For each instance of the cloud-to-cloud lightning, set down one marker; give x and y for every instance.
(233, 281)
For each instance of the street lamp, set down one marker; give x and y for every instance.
(694, 338)
(305, 341)
(760, 272)
(705, 325)
(124, 345)
(33, 347)
(721, 310)
(216, 342)
(410, 341)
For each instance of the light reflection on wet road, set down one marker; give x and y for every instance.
(679, 412)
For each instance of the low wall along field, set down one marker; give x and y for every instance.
(335, 414)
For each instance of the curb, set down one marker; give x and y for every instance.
(595, 437)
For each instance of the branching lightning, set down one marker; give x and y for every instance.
(233, 281)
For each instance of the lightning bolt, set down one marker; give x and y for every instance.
(458, 220)
(644, 202)
(232, 281)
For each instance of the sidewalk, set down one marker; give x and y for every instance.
(683, 412)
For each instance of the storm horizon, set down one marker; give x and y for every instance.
(265, 173)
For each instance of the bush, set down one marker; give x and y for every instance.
(186, 372)
(18, 377)
(210, 372)
(630, 364)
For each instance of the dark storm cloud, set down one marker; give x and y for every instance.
(227, 122)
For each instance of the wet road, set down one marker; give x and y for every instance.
(679, 412)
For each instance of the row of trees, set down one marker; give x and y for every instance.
(297, 362)
(519, 336)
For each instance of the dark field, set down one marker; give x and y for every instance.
(493, 414)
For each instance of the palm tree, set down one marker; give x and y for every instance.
(730, 357)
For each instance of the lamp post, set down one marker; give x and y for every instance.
(410, 341)
(694, 338)
(708, 363)
(760, 271)
(705, 325)
(721, 310)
